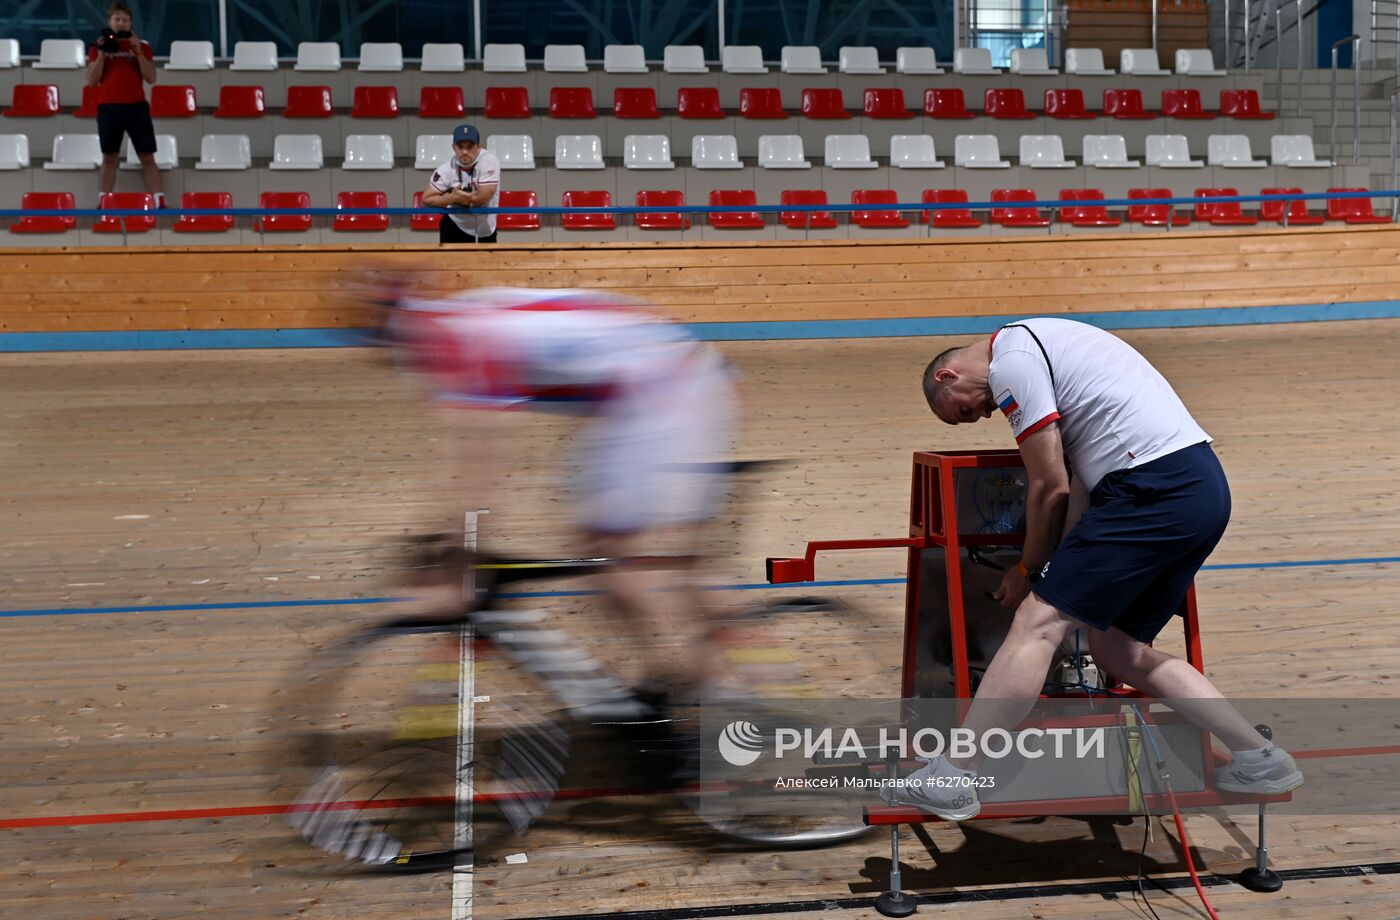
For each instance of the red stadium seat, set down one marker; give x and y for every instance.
(735, 220)
(173, 102)
(823, 103)
(874, 218)
(283, 223)
(885, 103)
(766, 102)
(205, 223)
(518, 198)
(33, 100)
(241, 102)
(1085, 215)
(1184, 103)
(571, 102)
(1005, 103)
(507, 102)
(1242, 103)
(1222, 214)
(1295, 211)
(1124, 103)
(308, 102)
(429, 221)
(132, 200)
(635, 102)
(1353, 210)
(1017, 217)
(45, 201)
(442, 102)
(1154, 215)
(589, 199)
(375, 102)
(806, 220)
(698, 102)
(959, 218)
(360, 222)
(946, 103)
(1066, 103)
(662, 221)
(89, 107)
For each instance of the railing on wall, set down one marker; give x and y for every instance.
(1353, 40)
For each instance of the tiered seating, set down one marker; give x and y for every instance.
(283, 223)
(698, 102)
(375, 102)
(1293, 213)
(588, 199)
(735, 220)
(205, 223)
(361, 222)
(1017, 216)
(448, 102)
(805, 220)
(173, 101)
(241, 102)
(886, 218)
(513, 102)
(949, 218)
(126, 201)
(45, 201)
(33, 100)
(662, 220)
(308, 102)
(517, 198)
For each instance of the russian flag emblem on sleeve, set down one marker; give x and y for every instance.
(1006, 403)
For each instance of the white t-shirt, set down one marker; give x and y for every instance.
(485, 171)
(1114, 409)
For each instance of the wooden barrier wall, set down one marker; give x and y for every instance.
(92, 289)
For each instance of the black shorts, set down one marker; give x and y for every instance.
(1131, 558)
(130, 118)
(449, 232)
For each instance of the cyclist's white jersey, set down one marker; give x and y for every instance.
(663, 402)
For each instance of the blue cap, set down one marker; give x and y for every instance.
(465, 133)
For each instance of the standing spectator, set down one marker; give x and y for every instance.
(470, 179)
(117, 65)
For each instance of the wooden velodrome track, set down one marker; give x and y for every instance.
(142, 480)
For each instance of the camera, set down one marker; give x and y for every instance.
(110, 41)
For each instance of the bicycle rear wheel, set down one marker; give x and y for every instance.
(418, 748)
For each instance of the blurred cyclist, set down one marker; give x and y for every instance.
(661, 408)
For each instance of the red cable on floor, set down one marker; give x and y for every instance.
(1186, 850)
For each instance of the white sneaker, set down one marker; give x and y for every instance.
(1274, 773)
(941, 789)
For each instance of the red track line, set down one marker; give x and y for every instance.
(192, 814)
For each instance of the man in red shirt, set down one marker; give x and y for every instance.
(117, 66)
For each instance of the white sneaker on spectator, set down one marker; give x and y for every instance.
(1271, 771)
(941, 789)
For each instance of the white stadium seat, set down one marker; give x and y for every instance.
(782, 151)
(167, 153)
(318, 57)
(1231, 151)
(684, 59)
(744, 59)
(1031, 62)
(443, 57)
(432, 150)
(9, 53)
(1294, 150)
(973, 61)
(225, 151)
(921, 61)
(254, 56)
(1043, 151)
(714, 151)
(1086, 62)
(578, 151)
(14, 151)
(804, 59)
(1169, 151)
(75, 151)
(1141, 62)
(978, 151)
(913, 151)
(1107, 151)
(191, 56)
(624, 59)
(859, 59)
(369, 151)
(647, 151)
(565, 59)
(297, 151)
(1196, 62)
(61, 54)
(848, 151)
(381, 57)
(497, 58)
(514, 151)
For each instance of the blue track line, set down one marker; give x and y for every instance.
(750, 586)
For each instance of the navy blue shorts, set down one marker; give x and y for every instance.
(115, 119)
(1131, 558)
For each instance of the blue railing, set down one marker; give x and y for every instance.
(1049, 204)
